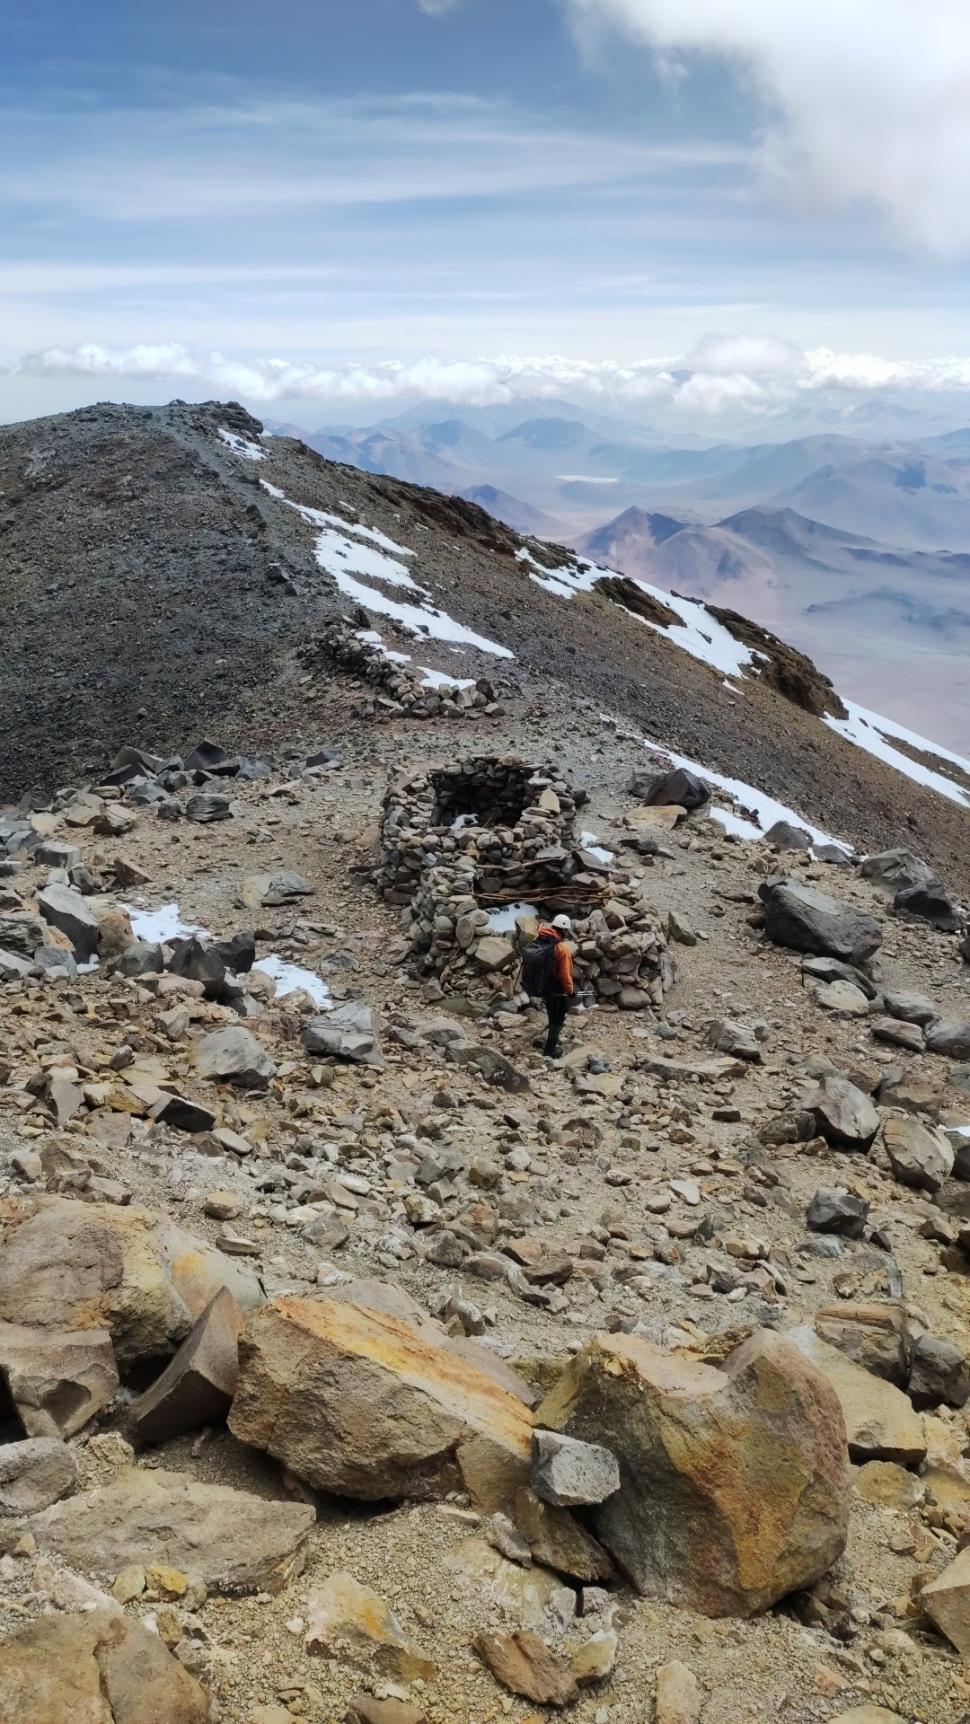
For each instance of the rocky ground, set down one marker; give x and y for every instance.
(657, 1187)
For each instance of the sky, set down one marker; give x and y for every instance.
(330, 207)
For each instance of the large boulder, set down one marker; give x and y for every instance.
(734, 1482)
(949, 1036)
(234, 1542)
(131, 1271)
(919, 1155)
(947, 1601)
(34, 1474)
(233, 1055)
(896, 870)
(57, 1379)
(805, 920)
(95, 1667)
(349, 1033)
(931, 903)
(843, 1114)
(880, 1423)
(833, 1209)
(64, 909)
(678, 788)
(197, 1386)
(360, 1402)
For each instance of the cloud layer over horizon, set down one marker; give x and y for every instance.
(748, 372)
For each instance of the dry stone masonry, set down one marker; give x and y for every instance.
(403, 687)
(475, 854)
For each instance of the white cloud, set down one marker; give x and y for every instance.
(866, 100)
(754, 373)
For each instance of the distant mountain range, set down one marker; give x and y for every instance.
(874, 616)
(914, 494)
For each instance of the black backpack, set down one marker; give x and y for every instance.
(537, 967)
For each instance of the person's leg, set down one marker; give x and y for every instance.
(556, 1013)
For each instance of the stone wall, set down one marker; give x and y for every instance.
(463, 844)
(400, 682)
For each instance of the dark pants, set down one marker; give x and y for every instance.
(557, 1006)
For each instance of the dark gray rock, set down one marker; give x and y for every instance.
(207, 806)
(844, 1116)
(835, 1210)
(68, 912)
(911, 1008)
(21, 933)
(895, 870)
(805, 920)
(822, 969)
(233, 1055)
(938, 1373)
(784, 836)
(349, 1033)
(197, 1386)
(679, 788)
(949, 1036)
(931, 903)
(141, 958)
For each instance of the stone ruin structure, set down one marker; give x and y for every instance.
(401, 686)
(474, 852)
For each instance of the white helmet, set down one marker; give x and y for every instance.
(563, 924)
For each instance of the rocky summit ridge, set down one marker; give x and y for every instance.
(357, 1363)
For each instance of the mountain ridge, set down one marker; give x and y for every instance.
(189, 581)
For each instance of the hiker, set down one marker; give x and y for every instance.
(547, 975)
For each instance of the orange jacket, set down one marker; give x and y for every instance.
(562, 959)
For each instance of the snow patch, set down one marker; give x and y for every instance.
(503, 921)
(341, 555)
(158, 927)
(870, 732)
(291, 978)
(441, 679)
(241, 445)
(320, 518)
(766, 809)
(162, 926)
(590, 842)
(697, 632)
(578, 577)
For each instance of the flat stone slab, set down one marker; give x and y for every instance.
(236, 1543)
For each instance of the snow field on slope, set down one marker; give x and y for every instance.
(341, 555)
(870, 732)
(241, 445)
(766, 809)
(698, 632)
